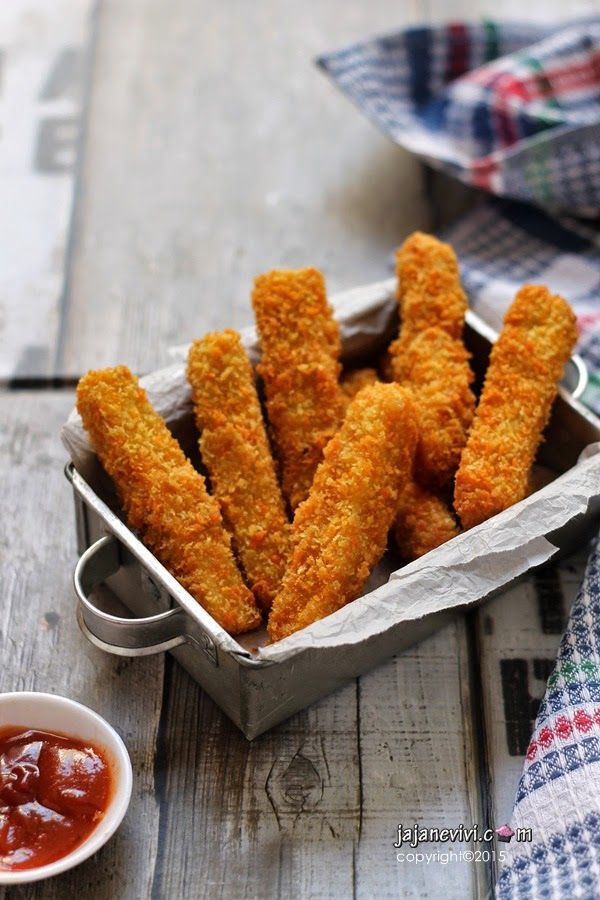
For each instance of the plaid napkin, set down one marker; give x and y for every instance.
(510, 108)
(515, 109)
(559, 792)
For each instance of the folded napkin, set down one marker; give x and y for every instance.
(558, 796)
(515, 109)
(511, 108)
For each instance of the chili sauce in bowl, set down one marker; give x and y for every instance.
(65, 785)
(54, 790)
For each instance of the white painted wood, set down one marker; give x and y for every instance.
(42, 50)
(511, 10)
(216, 150)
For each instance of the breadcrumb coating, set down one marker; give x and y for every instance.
(236, 452)
(340, 532)
(436, 369)
(526, 364)
(354, 380)
(423, 521)
(300, 346)
(429, 356)
(163, 496)
(429, 289)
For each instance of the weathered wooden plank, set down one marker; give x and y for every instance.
(272, 818)
(312, 808)
(511, 10)
(42, 649)
(42, 60)
(418, 766)
(215, 150)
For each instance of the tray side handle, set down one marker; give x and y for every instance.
(578, 381)
(115, 634)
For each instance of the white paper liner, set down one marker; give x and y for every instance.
(460, 572)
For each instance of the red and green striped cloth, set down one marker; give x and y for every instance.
(511, 108)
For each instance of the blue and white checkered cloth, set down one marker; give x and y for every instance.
(558, 796)
(515, 109)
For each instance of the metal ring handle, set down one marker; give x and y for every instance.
(115, 634)
(582, 376)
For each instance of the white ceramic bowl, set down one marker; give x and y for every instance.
(48, 712)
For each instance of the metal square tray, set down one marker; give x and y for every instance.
(257, 692)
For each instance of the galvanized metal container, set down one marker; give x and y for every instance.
(258, 689)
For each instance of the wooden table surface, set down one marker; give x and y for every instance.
(154, 157)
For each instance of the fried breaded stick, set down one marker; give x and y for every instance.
(436, 369)
(354, 380)
(429, 356)
(340, 532)
(423, 521)
(525, 367)
(163, 497)
(429, 288)
(236, 452)
(300, 345)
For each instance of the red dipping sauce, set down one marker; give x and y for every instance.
(53, 792)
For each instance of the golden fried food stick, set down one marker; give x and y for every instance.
(429, 356)
(300, 345)
(163, 497)
(340, 532)
(423, 521)
(436, 369)
(429, 288)
(525, 367)
(354, 380)
(236, 452)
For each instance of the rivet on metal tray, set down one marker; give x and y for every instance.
(204, 643)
